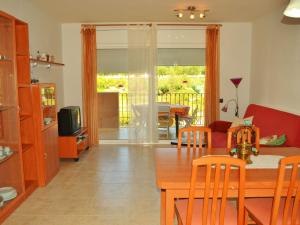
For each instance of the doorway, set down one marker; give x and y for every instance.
(180, 77)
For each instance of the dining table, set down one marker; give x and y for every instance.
(177, 110)
(173, 172)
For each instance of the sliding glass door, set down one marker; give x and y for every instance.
(139, 66)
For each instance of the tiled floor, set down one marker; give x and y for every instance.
(122, 133)
(110, 185)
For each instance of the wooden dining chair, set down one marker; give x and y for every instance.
(194, 136)
(164, 118)
(242, 133)
(214, 207)
(189, 120)
(284, 208)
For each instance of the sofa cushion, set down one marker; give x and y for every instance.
(272, 121)
(240, 122)
(219, 139)
(273, 140)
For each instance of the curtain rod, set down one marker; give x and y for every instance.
(150, 24)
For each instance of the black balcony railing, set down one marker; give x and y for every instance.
(193, 100)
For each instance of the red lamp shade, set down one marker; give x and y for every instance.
(236, 81)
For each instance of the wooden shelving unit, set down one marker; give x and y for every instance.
(44, 107)
(11, 168)
(27, 129)
(35, 160)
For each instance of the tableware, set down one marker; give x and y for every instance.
(47, 120)
(1, 201)
(7, 150)
(2, 154)
(8, 193)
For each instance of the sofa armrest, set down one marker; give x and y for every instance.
(220, 126)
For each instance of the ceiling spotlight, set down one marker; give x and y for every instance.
(191, 10)
(192, 16)
(180, 14)
(202, 14)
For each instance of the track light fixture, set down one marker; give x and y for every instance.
(192, 11)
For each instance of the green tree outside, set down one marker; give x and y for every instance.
(175, 84)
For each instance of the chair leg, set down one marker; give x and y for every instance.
(246, 217)
(179, 221)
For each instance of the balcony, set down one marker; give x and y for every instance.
(115, 113)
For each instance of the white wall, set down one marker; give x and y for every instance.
(44, 35)
(71, 40)
(235, 62)
(275, 77)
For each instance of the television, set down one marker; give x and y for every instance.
(69, 120)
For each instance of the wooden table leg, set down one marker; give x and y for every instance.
(170, 212)
(176, 124)
(162, 207)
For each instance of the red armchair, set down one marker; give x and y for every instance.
(270, 121)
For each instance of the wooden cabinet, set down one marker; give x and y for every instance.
(11, 165)
(27, 129)
(50, 148)
(44, 107)
(71, 146)
(27, 118)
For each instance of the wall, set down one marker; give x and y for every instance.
(275, 74)
(44, 36)
(71, 42)
(235, 62)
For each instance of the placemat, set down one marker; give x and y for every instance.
(260, 161)
(264, 161)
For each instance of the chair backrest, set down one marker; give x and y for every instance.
(217, 178)
(195, 136)
(163, 116)
(163, 109)
(134, 110)
(194, 115)
(242, 133)
(288, 167)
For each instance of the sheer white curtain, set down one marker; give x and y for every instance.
(142, 84)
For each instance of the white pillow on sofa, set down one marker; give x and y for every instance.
(239, 121)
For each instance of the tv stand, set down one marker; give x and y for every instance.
(71, 146)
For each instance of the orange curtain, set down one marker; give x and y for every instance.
(89, 78)
(212, 112)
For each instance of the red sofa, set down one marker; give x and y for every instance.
(270, 121)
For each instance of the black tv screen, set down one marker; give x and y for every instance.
(69, 120)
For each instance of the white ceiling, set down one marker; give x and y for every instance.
(155, 10)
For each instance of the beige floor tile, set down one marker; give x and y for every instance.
(110, 185)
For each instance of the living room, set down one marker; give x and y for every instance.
(257, 43)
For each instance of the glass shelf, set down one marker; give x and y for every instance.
(36, 62)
